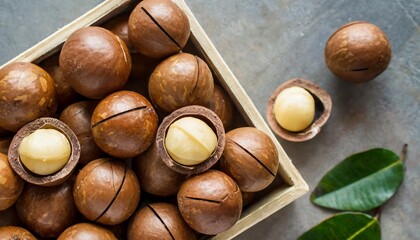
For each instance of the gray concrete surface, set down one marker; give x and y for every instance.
(270, 41)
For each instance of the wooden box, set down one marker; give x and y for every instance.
(289, 184)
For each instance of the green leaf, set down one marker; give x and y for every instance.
(350, 226)
(360, 182)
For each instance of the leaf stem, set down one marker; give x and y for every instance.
(403, 154)
(377, 215)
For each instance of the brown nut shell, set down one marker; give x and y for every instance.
(27, 93)
(4, 145)
(47, 211)
(221, 104)
(181, 80)
(250, 158)
(358, 52)
(119, 26)
(11, 185)
(9, 217)
(204, 114)
(210, 202)
(248, 198)
(77, 116)
(66, 95)
(86, 231)
(47, 180)
(323, 107)
(159, 221)
(124, 124)
(15, 233)
(106, 191)
(154, 176)
(95, 62)
(158, 28)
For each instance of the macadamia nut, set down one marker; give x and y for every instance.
(45, 151)
(190, 141)
(294, 109)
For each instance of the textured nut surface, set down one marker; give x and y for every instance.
(106, 191)
(77, 116)
(181, 80)
(27, 93)
(158, 28)
(44, 151)
(47, 211)
(11, 185)
(250, 158)
(65, 94)
(190, 141)
(119, 26)
(159, 221)
(210, 202)
(95, 62)
(86, 231)
(124, 124)
(52, 179)
(15, 233)
(294, 109)
(221, 104)
(358, 52)
(154, 176)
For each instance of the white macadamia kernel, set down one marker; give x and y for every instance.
(45, 151)
(190, 141)
(294, 109)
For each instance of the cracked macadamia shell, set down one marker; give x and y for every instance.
(124, 124)
(77, 116)
(358, 52)
(210, 202)
(86, 231)
(221, 104)
(27, 93)
(47, 211)
(55, 178)
(181, 80)
(95, 62)
(158, 28)
(154, 176)
(11, 185)
(250, 158)
(106, 191)
(159, 221)
(15, 233)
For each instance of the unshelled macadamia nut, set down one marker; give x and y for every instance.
(86, 231)
(358, 52)
(158, 28)
(210, 202)
(181, 80)
(14, 233)
(11, 185)
(44, 151)
(159, 221)
(294, 109)
(27, 93)
(95, 62)
(190, 141)
(47, 211)
(250, 158)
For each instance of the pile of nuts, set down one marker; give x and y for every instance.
(97, 140)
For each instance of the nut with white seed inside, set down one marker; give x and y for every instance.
(294, 109)
(190, 141)
(45, 151)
